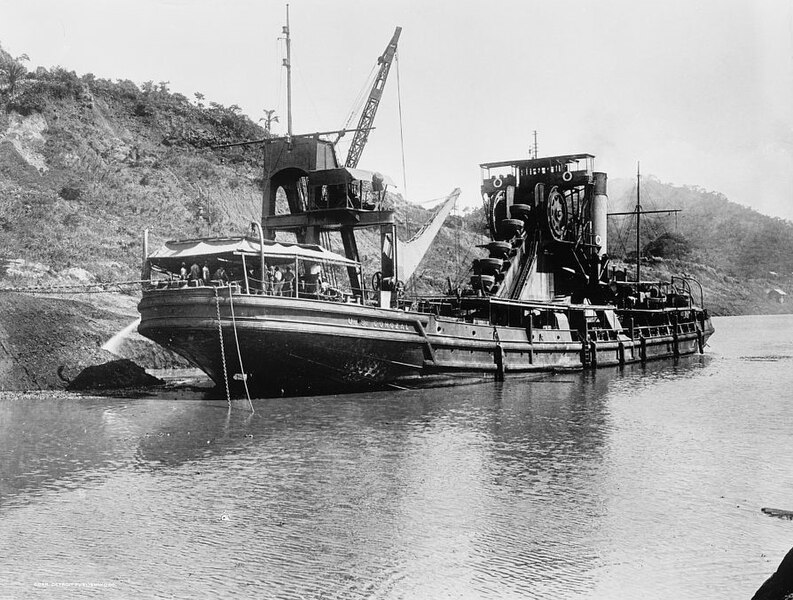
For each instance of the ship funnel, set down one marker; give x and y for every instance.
(600, 210)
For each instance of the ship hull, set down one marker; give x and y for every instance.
(303, 346)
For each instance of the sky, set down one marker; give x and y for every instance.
(699, 91)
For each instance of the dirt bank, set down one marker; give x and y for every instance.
(39, 335)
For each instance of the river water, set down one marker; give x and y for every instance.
(641, 482)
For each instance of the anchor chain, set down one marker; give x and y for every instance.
(222, 349)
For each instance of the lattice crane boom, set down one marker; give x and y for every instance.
(370, 109)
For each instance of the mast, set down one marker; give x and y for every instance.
(638, 223)
(288, 65)
(638, 211)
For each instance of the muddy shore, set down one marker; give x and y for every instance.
(47, 341)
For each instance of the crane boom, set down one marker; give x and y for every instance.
(369, 111)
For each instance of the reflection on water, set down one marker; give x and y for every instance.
(642, 482)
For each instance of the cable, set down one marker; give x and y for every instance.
(239, 353)
(359, 99)
(401, 134)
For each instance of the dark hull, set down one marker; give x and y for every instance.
(292, 346)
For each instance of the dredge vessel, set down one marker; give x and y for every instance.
(297, 318)
(544, 299)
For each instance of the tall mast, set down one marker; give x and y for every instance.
(288, 65)
(638, 211)
(638, 223)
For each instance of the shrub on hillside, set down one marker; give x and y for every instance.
(70, 193)
(668, 245)
(57, 84)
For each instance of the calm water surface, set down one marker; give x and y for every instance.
(645, 482)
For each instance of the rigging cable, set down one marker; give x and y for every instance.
(402, 148)
(401, 134)
(357, 104)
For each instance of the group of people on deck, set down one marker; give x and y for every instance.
(284, 282)
(278, 280)
(200, 275)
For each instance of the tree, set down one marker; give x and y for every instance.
(198, 99)
(11, 73)
(668, 245)
(269, 119)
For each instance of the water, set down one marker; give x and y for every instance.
(646, 482)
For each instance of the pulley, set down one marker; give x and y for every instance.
(556, 214)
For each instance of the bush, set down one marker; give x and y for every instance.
(70, 194)
(143, 109)
(668, 245)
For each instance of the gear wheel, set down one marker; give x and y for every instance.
(556, 214)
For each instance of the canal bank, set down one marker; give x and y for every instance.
(47, 341)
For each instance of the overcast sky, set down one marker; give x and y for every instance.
(701, 92)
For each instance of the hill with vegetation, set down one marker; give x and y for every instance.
(86, 164)
(738, 254)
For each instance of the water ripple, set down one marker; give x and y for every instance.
(636, 482)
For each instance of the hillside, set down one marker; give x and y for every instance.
(86, 164)
(727, 236)
(737, 253)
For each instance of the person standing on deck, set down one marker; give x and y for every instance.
(220, 275)
(268, 279)
(195, 273)
(289, 282)
(278, 281)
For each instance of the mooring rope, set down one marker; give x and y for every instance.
(239, 354)
(222, 350)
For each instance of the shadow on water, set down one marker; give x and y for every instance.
(59, 440)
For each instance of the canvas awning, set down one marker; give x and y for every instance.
(172, 253)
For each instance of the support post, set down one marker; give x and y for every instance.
(257, 226)
(145, 268)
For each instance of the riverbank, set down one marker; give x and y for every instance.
(47, 341)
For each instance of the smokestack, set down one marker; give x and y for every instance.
(600, 211)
